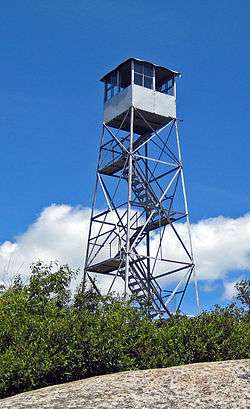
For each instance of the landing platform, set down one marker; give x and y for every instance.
(106, 266)
(118, 164)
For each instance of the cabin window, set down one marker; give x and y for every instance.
(166, 87)
(111, 86)
(143, 75)
(125, 76)
(117, 81)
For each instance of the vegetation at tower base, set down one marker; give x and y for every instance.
(48, 335)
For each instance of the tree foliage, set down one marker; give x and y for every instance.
(48, 336)
(243, 293)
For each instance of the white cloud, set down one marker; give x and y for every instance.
(59, 233)
(221, 245)
(229, 289)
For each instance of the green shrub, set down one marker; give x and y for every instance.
(46, 337)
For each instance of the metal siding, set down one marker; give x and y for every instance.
(145, 99)
(165, 105)
(118, 104)
(154, 102)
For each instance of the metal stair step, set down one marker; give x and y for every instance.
(153, 314)
(139, 190)
(133, 284)
(137, 290)
(140, 297)
(136, 182)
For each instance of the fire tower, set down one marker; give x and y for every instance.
(139, 235)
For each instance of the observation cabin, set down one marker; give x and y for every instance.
(149, 88)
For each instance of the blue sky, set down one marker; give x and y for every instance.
(52, 56)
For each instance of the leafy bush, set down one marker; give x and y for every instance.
(46, 337)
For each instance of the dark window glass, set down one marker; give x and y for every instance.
(138, 67)
(170, 91)
(116, 90)
(166, 87)
(109, 93)
(111, 86)
(148, 82)
(113, 79)
(125, 75)
(170, 85)
(148, 70)
(143, 74)
(138, 79)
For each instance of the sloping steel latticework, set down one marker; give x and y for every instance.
(139, 236)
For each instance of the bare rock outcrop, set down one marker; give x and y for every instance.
(214, 385)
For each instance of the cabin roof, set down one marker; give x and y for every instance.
(162, 70)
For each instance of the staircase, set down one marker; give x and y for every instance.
(141, 288)
(144, 197)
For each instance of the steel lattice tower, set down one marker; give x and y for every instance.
(139, 234)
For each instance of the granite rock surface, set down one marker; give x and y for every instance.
(214, 385)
